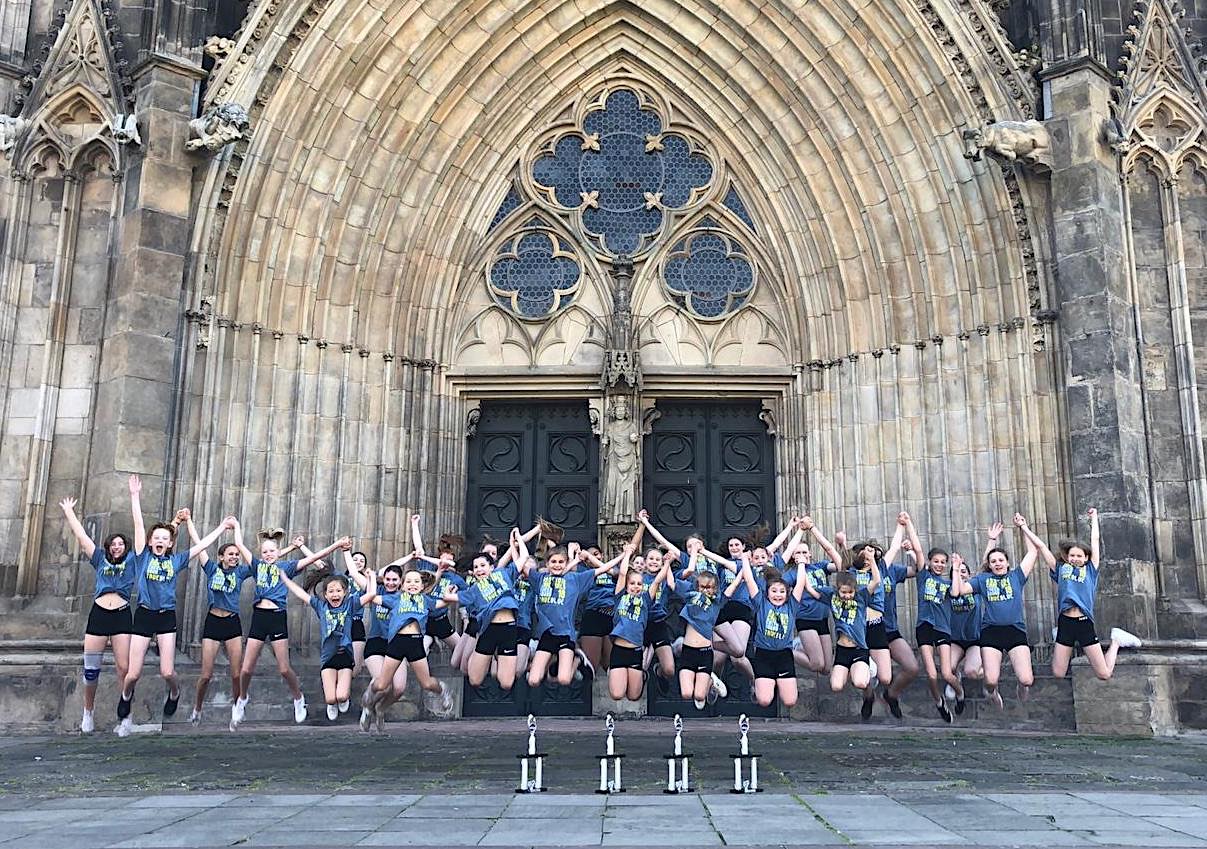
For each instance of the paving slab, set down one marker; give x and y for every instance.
(183, 800)
(290, 837)
(587, 831)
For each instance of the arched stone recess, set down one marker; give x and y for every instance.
(68, 151)
(363, 227)
(1161, 140)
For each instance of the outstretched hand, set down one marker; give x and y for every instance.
(135, 484)
(68, 505)
(1019, 521)
(995, 530)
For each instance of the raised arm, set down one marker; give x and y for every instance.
(783, 535)
(81, 536)
(911, 533)
(959, 586)
(1028, 562)
(1035, 542)
(747, 574)
(875, 582)
(1095, 537)
(808, 582)
(294, 589)
(801, 585)
(209, 539)
(734, 584)
(343, 542)
(794, 543)
(995, 534)
(827, 547)
(244, 552)
(597, 566)
(185, 515)
(894, 547)
(369, 591)
(644, 518)
(416, 537)
(625, 556)
(358, 577)
(140, 530)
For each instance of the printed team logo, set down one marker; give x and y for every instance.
(521, 591)
(1069, 572)
(999, 589)
(963, 604)
(113, 570)
(934, 590)
(382, 613)
(223, 581)
(160, 571)
(336, 620)
(630, 606)
(776, 624)
(411, 602)
(489, 587)
(267, 575)
(701, 600)
(553, 590)
(442, 587)
(844, 610)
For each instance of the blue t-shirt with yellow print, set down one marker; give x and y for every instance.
(223, 585)
(269, 586)
(1003, 598)
(1076, 586)
(335, 623)
(157, 578)
(850, 615)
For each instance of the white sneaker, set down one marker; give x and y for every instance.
(124, 727)
(366, 717)
(195, 716)
(299, 710)
(343, 706)
(949, 693)
(332, 712)
(711, 698)
(699, 704)
(677, 646)
(719, 686)
(87, 726)
(995, 698)
(446, 699)
(238, 709)
(871, 669)
(1125, 639)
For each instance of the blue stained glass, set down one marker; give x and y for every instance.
(733, 202)
(622, 172)
(509, 205)
(709, 274)
(532, 277)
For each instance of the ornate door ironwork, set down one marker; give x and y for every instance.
(532, 459)
(709, 469)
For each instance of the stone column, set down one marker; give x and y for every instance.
(136, 398)
(1108, 456)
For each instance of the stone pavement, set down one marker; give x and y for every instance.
(450, 785)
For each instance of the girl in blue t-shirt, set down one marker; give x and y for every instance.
(336, 607)
(776, 609)
(1003, 623)
(849, 604)
(389, 581)
(109, 620)
(699, 614)
(965, 627)
(224, 579)
(1076, 577)
(656, 640)
(157, 569)
(634, 600)
(813, 620)
(558, 591)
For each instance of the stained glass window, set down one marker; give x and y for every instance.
(733, 202)
(708, 273)
(622, 171)
(535, 272)
(509, 205)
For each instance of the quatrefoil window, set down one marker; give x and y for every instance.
(535, 272)
(621, 171)
(708, 272)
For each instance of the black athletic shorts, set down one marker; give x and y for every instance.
(624, 657)
(471, 627)
(773, 663)
(342, 659)
(928, 635)
(849, 655)
(821, 626)
(657, 633)
(375, 647)
(553, 643)
(523, 636)
(222, 628)
(894, 634)
(439, 627)
(152, 623)
(735, 611)
(108, 623)
(966, 644)
(877, 635)
(596, 623)
(358, 630)
(1075, 631)
(268, 625)
(408, 647)
(695, 660)
(1002, 637)
(498, 638)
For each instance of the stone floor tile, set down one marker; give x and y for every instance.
(585, 831)
(183, 800)
(292, 837)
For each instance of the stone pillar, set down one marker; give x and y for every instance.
(1108, 460)
(135, 409)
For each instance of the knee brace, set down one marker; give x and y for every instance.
(92, 666)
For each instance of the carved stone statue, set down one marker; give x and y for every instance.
(221, 125)
(619, 444)
(622, 360)
(10, 128)
(1011, 141)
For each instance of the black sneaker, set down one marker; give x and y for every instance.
(866, 710)
(959, 707)
(123, 707)
(894, 705)
(170, 703)
(944, 712)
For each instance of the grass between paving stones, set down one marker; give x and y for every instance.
(826, 825)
